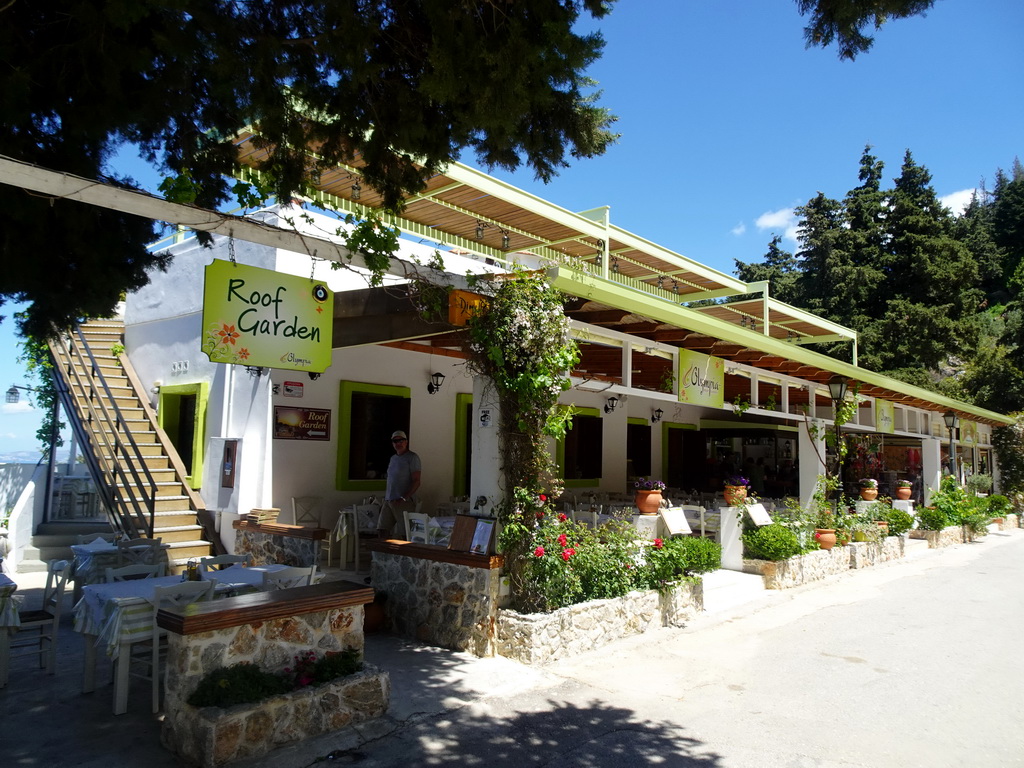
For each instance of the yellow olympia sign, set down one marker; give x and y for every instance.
(259, 317)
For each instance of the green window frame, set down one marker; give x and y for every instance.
(463, 446)
(346, 390)
(560, 453)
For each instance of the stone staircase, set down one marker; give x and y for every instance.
(138, 472)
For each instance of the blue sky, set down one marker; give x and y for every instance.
(728, 122)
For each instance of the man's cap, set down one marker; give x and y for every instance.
(399, 434)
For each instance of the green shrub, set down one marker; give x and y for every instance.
(669, 560)
(980, 483)
(999, 505)
(238, 684)
(899, 521)
(771, 542)
(932, 519)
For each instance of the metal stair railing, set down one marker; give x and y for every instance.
(118, 467)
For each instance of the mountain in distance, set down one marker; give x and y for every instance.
(28, 457)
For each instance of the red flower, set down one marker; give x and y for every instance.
(658, 543)
(538, 552)
(243, 354)
(817, 535)
(563, 540)
(562, 517)
(540, 515)
(542, 497)
(567, 553)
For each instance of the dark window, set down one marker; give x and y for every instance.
(638, 450)
(583, 448)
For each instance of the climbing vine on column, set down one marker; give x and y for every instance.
(521, 341)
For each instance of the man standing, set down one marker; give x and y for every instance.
(403, 482)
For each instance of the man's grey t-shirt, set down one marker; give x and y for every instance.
(400, 470)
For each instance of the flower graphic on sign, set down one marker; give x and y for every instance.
(228, 334)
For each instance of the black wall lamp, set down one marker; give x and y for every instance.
(436, 380)
(611, 403)
(656, 416)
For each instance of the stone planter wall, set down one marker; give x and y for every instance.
(282, 544)
(544, 637)
(947, 537)
(213, 736)
(864, 554)
(784, 574)
(442, 603)
(1011, 521)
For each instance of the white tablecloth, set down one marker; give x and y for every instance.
(9, 619)
(122, 611)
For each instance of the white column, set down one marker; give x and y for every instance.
(810, 449)
(931, 464)
(486, 479)
(729, 535)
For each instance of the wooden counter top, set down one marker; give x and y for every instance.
(434, 552)
(279, 529)
(264, 606)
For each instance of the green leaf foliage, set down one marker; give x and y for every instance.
(771, 542)
(399, 88)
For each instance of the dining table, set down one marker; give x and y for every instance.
(117, 614)
(92, 560)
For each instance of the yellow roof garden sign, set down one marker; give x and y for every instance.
(701, 379)
(259, 317)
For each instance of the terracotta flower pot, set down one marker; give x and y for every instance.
(869, 494)
(735, 494)
(648, 502)
(826, 537)
(903, 493)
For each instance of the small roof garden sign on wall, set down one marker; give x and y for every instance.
(259, 317)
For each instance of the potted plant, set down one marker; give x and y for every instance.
(903, 489)
(647, 495)
(736, 490)
(868, 488)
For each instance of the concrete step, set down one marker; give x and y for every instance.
(178, 533)
(165, 490)
(174, 519)
(724, 589)
(183, 551)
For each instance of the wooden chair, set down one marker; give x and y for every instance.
(140, 552)
(173, 596)
(286, 578)
(40, 627)
(304, 511)
(220, 562)
(133, 572)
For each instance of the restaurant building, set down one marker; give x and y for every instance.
(685, 373)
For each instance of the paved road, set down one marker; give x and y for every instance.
(909, 664)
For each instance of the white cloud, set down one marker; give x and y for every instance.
(8, 436)
(19, 407)
(782, 221)
(957, 201)
(739, 229)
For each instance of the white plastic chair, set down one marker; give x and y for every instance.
(220, 562)
(173, 596)
(133, 572)
(286, 578)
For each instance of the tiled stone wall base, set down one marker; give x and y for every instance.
(271, 548)
(947, 537)
(801, 569)
(544, 637)
(212, 736)
(864, 554)
(272, 645)
(444, 604)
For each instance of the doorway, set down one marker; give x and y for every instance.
(182, 416)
